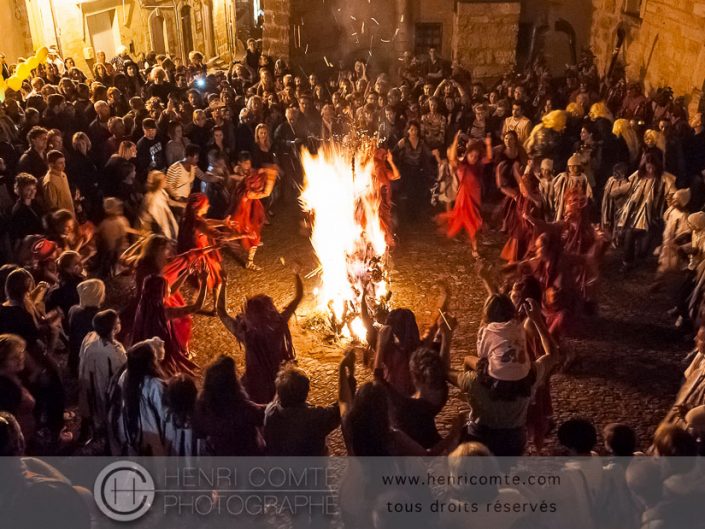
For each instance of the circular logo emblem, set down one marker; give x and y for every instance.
(124, 491)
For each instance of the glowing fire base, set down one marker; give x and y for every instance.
(343, 203)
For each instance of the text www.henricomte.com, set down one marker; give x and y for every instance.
(506, 480)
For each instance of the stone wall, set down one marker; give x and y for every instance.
(277, 39)
(664, 44)
(17, 40)
(485, 37)
(224, 29)
(208, 22)
(438, 11)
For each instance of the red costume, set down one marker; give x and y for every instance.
(151, 321)
(519, 230)
(383, 177)
(466, 212)
(193, 235)
(249, 214)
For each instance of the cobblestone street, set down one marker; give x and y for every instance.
(628, 357)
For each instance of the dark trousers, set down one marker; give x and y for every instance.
(501, 442)
(636, 244)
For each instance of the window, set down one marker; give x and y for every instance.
(633, 7)
(428, 36)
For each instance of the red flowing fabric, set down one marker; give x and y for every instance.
(578, 238)
(250, 214)
(519, 230)
(193, 236)
(466, 213)
(383, 178)
(151, 321)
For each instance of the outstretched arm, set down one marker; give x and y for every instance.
(396, 175)
(229, 322)
(180, 312)
(288, 312)
(484, 272)
(346, 382)
(383, 337)
(534, 314)
(179, 282)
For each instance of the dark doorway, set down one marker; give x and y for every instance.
(186, 30)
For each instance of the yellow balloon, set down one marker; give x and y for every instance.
(33, 62)
(23, 71)
(42, 54)
(14, 83)
(2, 95)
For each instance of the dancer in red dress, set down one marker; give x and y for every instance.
(521, 196)
(154, 318)
(155, 258)
(385, 172)
(249, 213)
(466, 213)
(198, 243)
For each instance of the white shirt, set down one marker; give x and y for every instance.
(179, 180)
(504, 346)
(99, 360)
(156, 210)
(149, 437)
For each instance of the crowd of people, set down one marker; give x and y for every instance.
(151, 166)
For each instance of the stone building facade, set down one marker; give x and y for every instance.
(316, 35)
(485, 37)
(82, 28)
(664, 45)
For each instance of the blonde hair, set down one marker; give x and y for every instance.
(655, 136)
(268, 142)
(622, 128)
(10, 344)
(556, 120)
(600, 110)
(80, 136)
(124, 149)
(155, 181)
(575, 110)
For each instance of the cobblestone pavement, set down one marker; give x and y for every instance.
(629, 358)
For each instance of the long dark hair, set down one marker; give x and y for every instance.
(653, 159)
(141, 363)
(180, 398)
(222, 390)
(498, 309)
(267, 332)
(368, 423)
(190, 222)
(405, 330)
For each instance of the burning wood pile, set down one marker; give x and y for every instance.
(342, 201)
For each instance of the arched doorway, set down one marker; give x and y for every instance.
(186, 30)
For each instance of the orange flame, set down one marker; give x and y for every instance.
(346, 231)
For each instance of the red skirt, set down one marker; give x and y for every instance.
(519, 231)
(466, 213)
(386, 221)
(249, 219)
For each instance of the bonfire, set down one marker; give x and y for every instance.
(340, 197)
